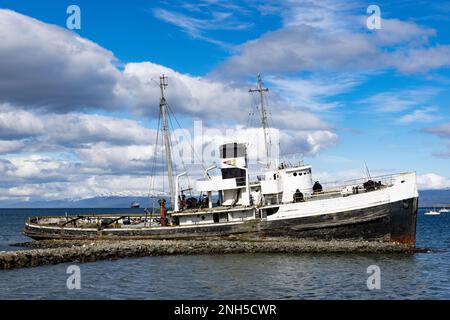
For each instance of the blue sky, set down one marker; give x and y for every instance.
(78, 108)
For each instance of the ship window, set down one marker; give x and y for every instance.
(271, 211)
(274, 176)
(295, 174)
(232, 150)
(203, 217)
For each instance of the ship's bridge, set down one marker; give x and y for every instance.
(232, 185)
(282, 183)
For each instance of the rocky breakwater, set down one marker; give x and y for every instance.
(59, 251)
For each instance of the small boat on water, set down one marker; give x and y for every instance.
(432, 213)
(284, 201)
(135, 205)
(444, 210)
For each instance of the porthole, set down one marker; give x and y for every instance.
(295, 174)
(405, 204)
(203, 217)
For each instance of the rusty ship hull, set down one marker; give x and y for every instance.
(394, 222)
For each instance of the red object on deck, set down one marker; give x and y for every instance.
(162, 208)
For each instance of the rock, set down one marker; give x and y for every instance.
(59, 251)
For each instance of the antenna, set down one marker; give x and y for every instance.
(367, 171)
(163, 84)
(264, 122)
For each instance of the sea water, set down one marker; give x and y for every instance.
(236, 276)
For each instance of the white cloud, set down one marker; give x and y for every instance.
(329, 36)
(399, 100)
(432, 181)
(16, 123)
(313, 93)
(38, 167)
(83, 188)
(407, 105)
(308, 143)
(90, 128)
(295, 49)
(443, 132)
(80, 165)
(50, 67)
(63, 152)
(420, 115)
(65, 61)
(50, 151)
(216, 101)
(421, 59)
(197, 27)
(118, 159)
(70, 130)
(10, 146)
(291, 118)
(396, 31)
(194, 96)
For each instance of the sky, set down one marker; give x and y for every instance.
(79, 107)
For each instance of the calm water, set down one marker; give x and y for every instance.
(243, 276)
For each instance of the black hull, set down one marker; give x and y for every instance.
(395, 222)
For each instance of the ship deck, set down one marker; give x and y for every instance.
(331, 190)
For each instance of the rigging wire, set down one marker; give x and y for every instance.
(153, 169)
(256, 106)
(192, 148)
(270, 123)
(251, 112)
(164, 166)
(181, 157)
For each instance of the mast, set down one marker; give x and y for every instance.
(264, 122)
(166, 134)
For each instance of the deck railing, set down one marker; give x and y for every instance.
(336, 189)
(384, 180)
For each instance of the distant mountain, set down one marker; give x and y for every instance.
(95, 202)
(434, 197)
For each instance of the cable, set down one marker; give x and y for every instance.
(192, 148)
(152, 172)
